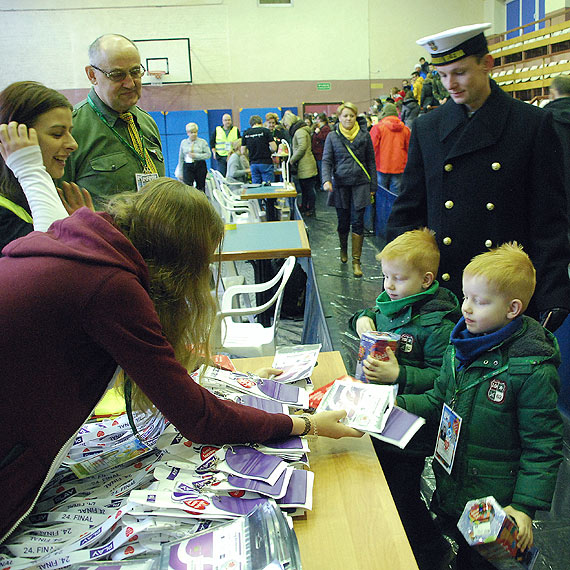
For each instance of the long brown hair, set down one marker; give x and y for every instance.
(24, 102)
(177, 231)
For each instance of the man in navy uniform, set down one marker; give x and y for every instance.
(484, 169)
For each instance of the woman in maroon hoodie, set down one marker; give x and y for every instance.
(129, 288)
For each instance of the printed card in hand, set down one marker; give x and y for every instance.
(367, 405)
(297, 362)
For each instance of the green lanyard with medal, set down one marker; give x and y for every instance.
(140, 178)
(450, 422)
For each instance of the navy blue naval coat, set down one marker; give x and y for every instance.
(481, 181)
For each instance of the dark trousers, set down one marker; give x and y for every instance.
(222, 163)
(308, 193)
(195, 172)
(346, 219)
(403, 473)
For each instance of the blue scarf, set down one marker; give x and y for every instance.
(469, 346)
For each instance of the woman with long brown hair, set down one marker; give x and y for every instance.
(128, 288)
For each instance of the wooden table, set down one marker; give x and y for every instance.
(270, 240)
(354, 523)
(273, 191)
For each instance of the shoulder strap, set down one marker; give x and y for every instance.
(15, 209)
(354, 156)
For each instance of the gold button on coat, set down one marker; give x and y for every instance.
(448, 167)
(449, 204)
(488, 243)
(447, 241)
(490, 206)
(496, 166)
(446, 276)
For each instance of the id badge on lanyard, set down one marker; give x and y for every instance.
(447, 438)
(141, 178)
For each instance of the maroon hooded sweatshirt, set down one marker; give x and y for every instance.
(74, 305)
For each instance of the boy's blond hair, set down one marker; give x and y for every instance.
(417, 248)
(508, 269)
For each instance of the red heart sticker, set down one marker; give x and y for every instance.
(129, 550)
(246, 382)
(188, 443)
(100, 433)
(115, 423)
(60, 489)
(237, 494)
(208, 450)
(134, 537)
(199, 504)
(129, 531)
(138, 465)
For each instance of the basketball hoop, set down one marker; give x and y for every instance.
(156, 77)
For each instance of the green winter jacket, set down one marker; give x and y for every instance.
(510, 443)
(424, 325)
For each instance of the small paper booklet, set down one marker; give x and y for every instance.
(297, 362)
(261, 540)
(370, 408)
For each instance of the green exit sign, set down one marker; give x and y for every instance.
(325, 86)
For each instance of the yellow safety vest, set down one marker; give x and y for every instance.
(224, 142)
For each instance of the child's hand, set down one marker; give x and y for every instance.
(364, 324)
(14, 136)
(524, 522)
(382, 371)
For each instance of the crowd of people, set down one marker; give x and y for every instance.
(128, 285)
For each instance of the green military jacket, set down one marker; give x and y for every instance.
(425, 326)
(510, 442)
(103, 163)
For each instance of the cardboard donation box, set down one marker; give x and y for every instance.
(487, 528)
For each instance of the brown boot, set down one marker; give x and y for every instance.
(356, 252)
(343, 247)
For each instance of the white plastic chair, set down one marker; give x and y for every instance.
(219, 179)
(251, 339)
(230, 201)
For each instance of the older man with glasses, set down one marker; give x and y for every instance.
(119, 143)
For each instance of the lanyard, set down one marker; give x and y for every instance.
(354, 156)
(118, 135)
(15, 209)
(472, 384)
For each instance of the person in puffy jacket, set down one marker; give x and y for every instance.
(348, 176)
(390, 138)
(428, 100)
(499, 380)
(410, 110)
(414, 306)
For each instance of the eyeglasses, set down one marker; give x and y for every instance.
(118, 75)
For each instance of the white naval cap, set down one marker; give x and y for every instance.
(457, 43)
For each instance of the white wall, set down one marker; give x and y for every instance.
(234, 40)
(551, 5)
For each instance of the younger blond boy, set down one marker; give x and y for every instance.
(499, 376)
(414, 306)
